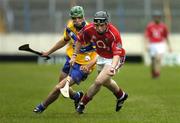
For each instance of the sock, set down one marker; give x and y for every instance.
(85, 99)
(76, 96)
(119, 94)
(155, 74)
(41, 106)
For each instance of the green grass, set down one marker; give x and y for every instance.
(24, 85)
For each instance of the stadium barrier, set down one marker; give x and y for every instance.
(132, 42)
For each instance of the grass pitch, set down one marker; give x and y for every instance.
(24, 85)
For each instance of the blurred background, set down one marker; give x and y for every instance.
(41, 22)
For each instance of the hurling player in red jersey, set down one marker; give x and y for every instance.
(111, 57)
(156, 34)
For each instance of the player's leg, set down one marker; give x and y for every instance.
(156, 51)
(94, 88)
(157, 66)
(99, 81)
(153, 54)
(105, 80)
(71, 91)
(153, 64)
(118, 92)
(64, 73)
(53, 95)
(113, 87)
(77, 76)
(161, 48)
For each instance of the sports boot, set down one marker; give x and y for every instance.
(120, 102)
(80, 108)
(76, 101)
(39, 108)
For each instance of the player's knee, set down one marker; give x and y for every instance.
(98, 82)
(58, 86)
(106, 84)
(76, 79)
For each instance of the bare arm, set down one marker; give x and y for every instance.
(115, 62)
(61, 43)
(146, 43)
(146, 38)
(168, 44)
(77, 47)
(92, 63)
(76, 51)
(87, 68)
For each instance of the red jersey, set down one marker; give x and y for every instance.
(156, 32)
(107, 44)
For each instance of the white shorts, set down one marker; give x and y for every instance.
(157, 48)
(101, 61)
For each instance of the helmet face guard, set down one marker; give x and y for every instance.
(101, 17)
(100, 20)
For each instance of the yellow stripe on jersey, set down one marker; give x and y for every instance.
(82, 58)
